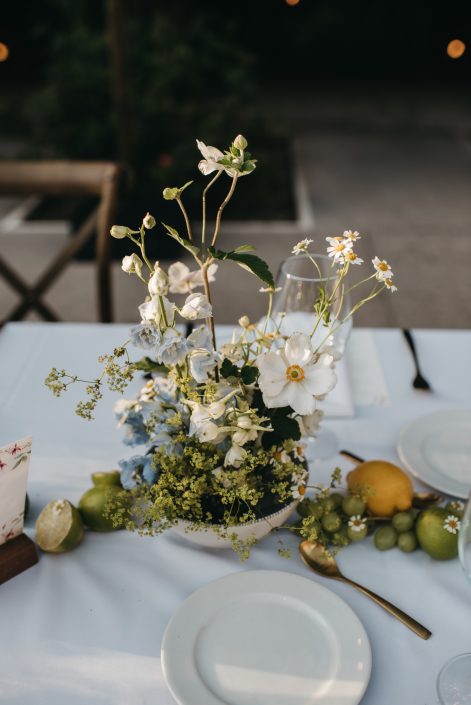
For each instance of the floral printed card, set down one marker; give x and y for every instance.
(14, 465)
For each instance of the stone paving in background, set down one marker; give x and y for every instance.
(396, 168)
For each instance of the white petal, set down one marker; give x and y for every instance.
(209, 153)
(208, 167)
(319, 379)
(299, 398)
(298, 349)
(272, 373)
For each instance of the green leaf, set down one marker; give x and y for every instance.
(245, 248)
(184, 243)
(249, 374)
(228, 369)
(251, 263)
(286, 428)
(146, 364)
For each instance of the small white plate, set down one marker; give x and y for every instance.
(265, 638)
(437, 449)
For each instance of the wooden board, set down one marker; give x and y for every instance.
(16, 556)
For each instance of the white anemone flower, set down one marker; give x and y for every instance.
(182, 280)
(202, 421)
(196, 306)
(295, 376)
(211, 157)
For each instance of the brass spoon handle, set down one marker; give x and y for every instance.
(416, 627)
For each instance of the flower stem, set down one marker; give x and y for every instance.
(185, 215)
(203, 222)
(222, 206)
(210, 321)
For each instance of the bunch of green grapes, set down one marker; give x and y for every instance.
(334, 519)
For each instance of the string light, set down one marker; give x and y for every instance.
(4, 52)
(455, 48)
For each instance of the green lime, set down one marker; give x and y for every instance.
(59, 527)
(437, 533)
(331, 521)
(95, 503)
(352, 506)
(385, 538)
(403, 521)
(407, 541)
(107, 478)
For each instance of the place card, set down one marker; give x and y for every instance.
(14, 465)
(17, 551)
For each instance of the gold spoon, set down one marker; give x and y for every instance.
(316, 557)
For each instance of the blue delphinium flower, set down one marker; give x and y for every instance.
(145, 335)
(172, 349)
(135, 429)
(137, 470)
(200, 338)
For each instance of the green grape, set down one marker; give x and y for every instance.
(407, 541)
(352, 505)
(337, 499)
(316, 509)
(304, 508)
(403, 521)
(331, 522)
(340, 537)
(328, 503)
(385, 538)
(357, 534)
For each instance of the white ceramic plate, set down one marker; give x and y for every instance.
(265, 638)
(437, 449)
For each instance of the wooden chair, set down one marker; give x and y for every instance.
(58, 178)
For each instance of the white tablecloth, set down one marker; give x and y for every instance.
(85, 627)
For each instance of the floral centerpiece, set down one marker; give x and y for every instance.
(221, 426)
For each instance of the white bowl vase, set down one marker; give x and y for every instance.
(208, 538)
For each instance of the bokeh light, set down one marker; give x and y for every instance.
(455, 48)
(4, 52)
(292, 2)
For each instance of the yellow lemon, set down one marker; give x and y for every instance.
(59, 527)
(387, 488)
(437, 533)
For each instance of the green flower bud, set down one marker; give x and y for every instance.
(148, 221)
(119, 231)
(240, 142)
(170, 194)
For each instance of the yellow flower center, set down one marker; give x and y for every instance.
(294, 373)
(302, 490)
(383, 266)
(339, 247)
(351, 256)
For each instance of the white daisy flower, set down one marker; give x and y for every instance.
(298, 452)
(357, 523)
(452, 524)
(390, 285)
(352, 235)
(294, 376)
(383, 270)
(352, 258)
(338, 248)
(301, 246)
(298, 491)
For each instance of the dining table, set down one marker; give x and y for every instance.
(85, 627)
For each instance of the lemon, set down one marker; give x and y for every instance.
(433, 536)
(59, 527)
(387, 488)
(113, 477)
(95, 501)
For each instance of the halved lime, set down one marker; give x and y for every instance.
(59, 527)
(113, 477)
